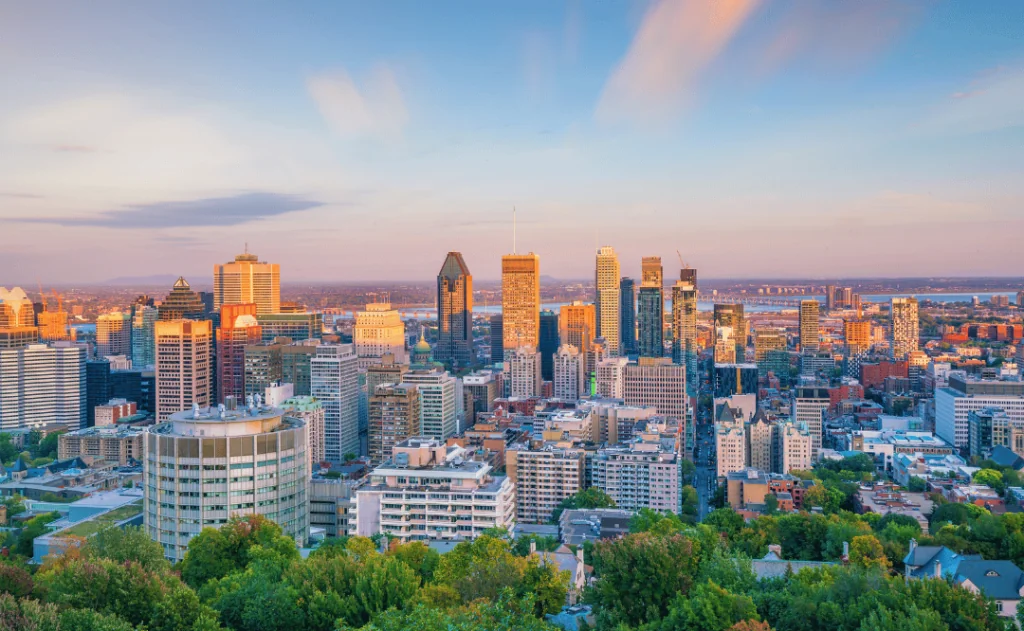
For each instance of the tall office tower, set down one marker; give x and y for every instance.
(182, 303)
(810, 333)
(657, 382)
(684, 322)
(651, 308)
(830, 297)
(298, 326)
(627, 316)
(334, 381)
(98, 387)
(238, 330)
(569, 382)
(281, 361)
(394, 417)
(606, 298)
(16, 310)
(611, 377)
(845, 298)
(520, 301)
(42, 384)
(454, 312)
(577, 325)
(479, 390)
(386, 373)
(767, 339)
(725, 345)
(184, 366)
(549, 343)
(438, 417)
(809, 407)
(248, 280)
(144, 319)
(903, 335)
(261, 445)
(497, 338)
(379, 331)
(759, 442)
(732, 316)
(522, 366)
(543, 478)
(113, 334)
(592, 357)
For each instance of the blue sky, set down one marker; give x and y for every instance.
(362, 141)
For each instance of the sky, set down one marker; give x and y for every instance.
(357, 141)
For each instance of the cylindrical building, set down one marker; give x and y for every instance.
(204, 466)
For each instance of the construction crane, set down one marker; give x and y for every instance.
(42, 295)
(682, 264)
(60, 300)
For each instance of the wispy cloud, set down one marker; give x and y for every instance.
(993, 100)
(15, 195)
(75, 149)
(675, 43)
(206, 212)
(376, 108)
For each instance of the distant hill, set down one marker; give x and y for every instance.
(155, 279)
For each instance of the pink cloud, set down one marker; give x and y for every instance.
(675, 43)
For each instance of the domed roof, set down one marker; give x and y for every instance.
(423, 346)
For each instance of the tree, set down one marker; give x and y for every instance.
(33, 528)
(420, 557)
(708, 608)
(521, 546)
(724, 520)
(866, 551)
(591, 497)
(507, 614)
(182, 611)
(15, 580)
(917, 485)
(127, 544)
(821, 496)
(690, 504)
(47, 447)
(771, 504)
(991, 478)
(88, 620)
(545, 583)
(655, 522)
(7, 449)
(481, 568)
(216, 552)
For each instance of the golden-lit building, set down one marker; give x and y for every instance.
(184, 372)
(248, 280)
(379, 331)
(520, 300)
(16, 310)
(577, 325)
(606, 283)
(238, 329)
(857, 334)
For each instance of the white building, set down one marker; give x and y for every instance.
(311, 412)
(569, 383)
(114, 334)
(963, 395)
(334, 381)
(608, 296)
(639, 476)
(438, 407)
(430, 491)
(42, 384)
(730, 447)
(523, 367)
(744, 405)
(809, 407)
(611, 377)
(204, 466)
(379, 330)
(796, 448)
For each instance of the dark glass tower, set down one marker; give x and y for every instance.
(549, 343)
(454, 313)
(627, 317)
(497, 339)
(651, 308)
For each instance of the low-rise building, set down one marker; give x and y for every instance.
(578, 525)
(1002, 581)
(114, 443)
(543, 477)
(885, 499)
(428, 490)
(884, 445)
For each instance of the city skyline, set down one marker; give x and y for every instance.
(370, 129)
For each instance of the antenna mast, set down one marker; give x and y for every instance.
(514, 230)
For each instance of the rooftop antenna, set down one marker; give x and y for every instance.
(246, 247)
(514, 230)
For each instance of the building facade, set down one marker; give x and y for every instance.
(520, 301)
(454, 312)
(379, 331)
(904, 327)
(627, 316)
(438, 405)
(684, 322)
(394, 418)
(523, 369)
(248, 280)
(569, 382)
(184, 365)
(637, 477)
(543, 478)
(334, 381)
(238, 330)
(113, 334)
(42, 384)
(810, 331)
(651, 308)
(606, 298)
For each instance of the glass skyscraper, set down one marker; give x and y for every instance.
(627, 316)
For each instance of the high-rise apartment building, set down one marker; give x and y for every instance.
(651, 308)
(184, 366)
(479, 391)
(725, 345)
(379, 331)
(497, 334)
(904, 327)
(658, 383)
(247, 461)
(520, 301)
(311, 412)
(611, 377)
(281, 361)
(857, 334)
(577, 323)
(248, 280)
(569, 381)
(796, 448)
(438, 405)
(606, 299)
(394, 417)
(42, 384)
(182, 303)
(334, 381)
(522, 368)
(684, 322)
(627, 317)
(810, 333)
(730, 445)
(238, 330)
(454, 312)
(963, 395)
(638, 477)
(543, 477)
(144, 319)
(113, 334)
(549, 343)
(810, 404)
(760, 442)
(731, 316)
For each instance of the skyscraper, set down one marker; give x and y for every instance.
(454, 312)
(904, 331)
(394, 416)
(549, 343)
(184, 366)
(523, 369)
(144, 318)
(766, 340)
(182, 303)
(334, 381)
(810, 335)
(438, 417)
(520, 301)
(237, 331)
(651, 308)
(248, 280)
(606, 299)
(657, 382)
(684, 322)
(113, 334)
(42, 384)
(379, 331)
(497, 338)
(569, 381)
(297, 326)
(577, 325)
(627, 317)
(731, 315)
